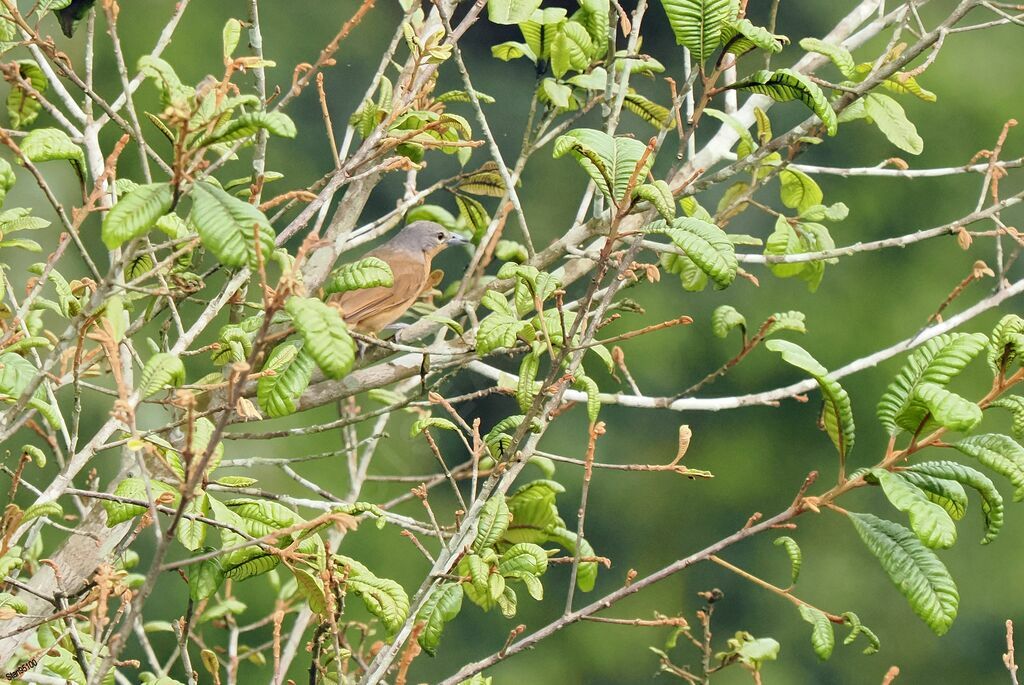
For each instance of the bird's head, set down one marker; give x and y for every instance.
(427, 237)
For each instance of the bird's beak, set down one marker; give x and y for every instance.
(457, 239)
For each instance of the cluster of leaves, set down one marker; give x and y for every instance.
(575, 48)
(932, 493)
(507, 549)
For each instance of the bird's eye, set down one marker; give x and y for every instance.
(440, 237)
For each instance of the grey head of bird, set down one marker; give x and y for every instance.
(424, 237)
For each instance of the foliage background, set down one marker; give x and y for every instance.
(758, 455)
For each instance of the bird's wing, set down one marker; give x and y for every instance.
(409, 275)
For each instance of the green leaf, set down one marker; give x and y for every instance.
(473, 214)
(915, 570)
(857, 628)
(501, 330)
(384, 598)
(837, 414)
(173, 93)
(586, 575)
(610, 162)
(7, 180)
(510, 50)
(930, 522)
(227, 226)
(697, 24)
(23, 108)
(42, 510)
(533, 511)
(660, 196)
(486, 181)
(705, 244)
(135, 489)
(799, 191)
(524, 557)
(948, 494)
(325, 334)
(746, 143)
(796, 557)
(570, 49)
(492, 524)
(892, 121)
(190, 532)
(368, 272)
(725, 318)
(786, 321)
(784, 84)
(511, 11)
(161, 371)
(230, 35)
(839, 55)
(937, 361)
(1001, 454)
(991, 500)
(654, 114)
(740, 37)
(426, 422)
(1015, 404)
(49, 144)
(823, 638)
(949, 410)
(443, 604)
(246, 125)
(293, 369)
(589, 386)
(557, 94)
(527, 387)
(1007, 343)
(691, 277)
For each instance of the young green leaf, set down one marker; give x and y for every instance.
(991, 500)
(796, 557)
(133, 489)
(839, 55)
(511, 11)
(190, 532)
(937, 361)
(654, 114)
(22, 107)
(823, 638)
(930, 522)
(725, 318)
(698, 24)
(799, 191)
(443, 604)
(136, 213)
(278, 394)
(1007, 343)
(493, 522)
(49, 144)
(1001, 454)
(1015, 404)
(610, 162)
(786, 321)
(837, 414)
(161, 371)
(915, 570)
(368, 272)
(426, 422)
(946, 408)
(384, 598)
(784, 84)
(660, 196)
(892, 121)
(275, 123)
(228, 226)
(325, 334)
(705, 244)
(948, 494)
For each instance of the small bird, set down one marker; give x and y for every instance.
(409, 255)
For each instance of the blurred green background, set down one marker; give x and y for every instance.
(759, 455)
